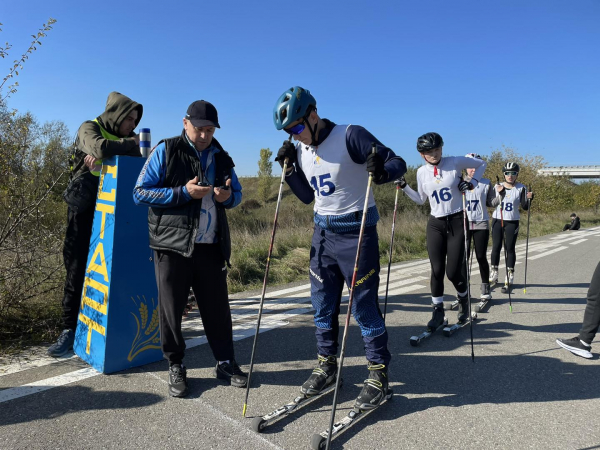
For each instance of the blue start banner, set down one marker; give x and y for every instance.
(118, 318)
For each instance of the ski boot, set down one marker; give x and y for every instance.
(485, 292)
(463, 309)
(508, 280)
(321, 376)
(484, 299)
(437, 318)
(494, 275)
(375, 388)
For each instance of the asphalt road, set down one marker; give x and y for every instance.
(522, 391)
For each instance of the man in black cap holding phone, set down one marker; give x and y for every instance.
(189, 182)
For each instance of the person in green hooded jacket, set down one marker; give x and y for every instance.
(108, 135)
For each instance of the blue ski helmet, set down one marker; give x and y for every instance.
(292, 105)
(429, 141)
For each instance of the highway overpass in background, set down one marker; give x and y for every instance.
(575, 172)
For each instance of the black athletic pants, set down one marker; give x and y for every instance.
(206, 272)
(480, 238)
(511, 232)
(75, 254)
(446, 249)
(591, 317)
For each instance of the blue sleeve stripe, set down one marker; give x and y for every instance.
(148, 188)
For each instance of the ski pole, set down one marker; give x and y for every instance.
(472, 245)
(465, 220)
(503, 239)
(387, 284)
(264, 288)
(350, 299)
(527, 244)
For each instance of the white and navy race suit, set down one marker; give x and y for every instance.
(334, 175)
(477, 201)
(513, 198)
(445, 233)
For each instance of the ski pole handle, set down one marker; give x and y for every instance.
(373, 151)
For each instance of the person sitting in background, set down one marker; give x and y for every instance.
(574, 225)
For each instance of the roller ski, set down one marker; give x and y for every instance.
(485, 298)
(375, 393)
(438, 320)
(321, 381)
(463, 317)
(508, 281)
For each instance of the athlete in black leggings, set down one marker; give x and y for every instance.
(440, 181)
(478, 230)
(506, 221)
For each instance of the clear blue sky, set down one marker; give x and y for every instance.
(482, 73)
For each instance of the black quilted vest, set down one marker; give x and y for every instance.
(174, 229)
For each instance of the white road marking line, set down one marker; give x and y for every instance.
(404, 290)
(401, 283)
(48, 383)
(239, 332)
(578, 242)
(239, 425)
(541, 255)
(40, 361)
(275, 294)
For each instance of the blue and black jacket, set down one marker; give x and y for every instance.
(173, 216)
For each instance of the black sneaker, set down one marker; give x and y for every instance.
(375, 388)
(322, 376)
(231, 373)
(178, 385)
(63, 345)
(437, 317)
(576, 346)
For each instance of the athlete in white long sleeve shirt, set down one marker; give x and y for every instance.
(440, 180)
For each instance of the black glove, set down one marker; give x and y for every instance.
(375, 166)
(400, 182)
(465, 186)
(287, 150)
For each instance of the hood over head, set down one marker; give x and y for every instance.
(117, 108)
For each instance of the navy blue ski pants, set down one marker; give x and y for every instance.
(332, 258)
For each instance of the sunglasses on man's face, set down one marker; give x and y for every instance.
(514, 174)
(296, 129)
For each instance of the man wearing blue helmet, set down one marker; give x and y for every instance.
(330, 164)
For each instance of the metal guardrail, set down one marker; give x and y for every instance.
(572, 171)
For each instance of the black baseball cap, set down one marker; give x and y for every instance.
(203, 114)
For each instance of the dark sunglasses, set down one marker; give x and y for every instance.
(511, 173)
(296, 129)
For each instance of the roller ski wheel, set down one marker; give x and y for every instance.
(505, 289)
(319, 441)
(260, 423)
(449, 331)
(416, 340)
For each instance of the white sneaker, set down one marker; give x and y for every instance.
(494, 276)
(511, 276)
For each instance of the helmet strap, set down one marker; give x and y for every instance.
(313, 131)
